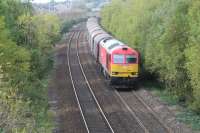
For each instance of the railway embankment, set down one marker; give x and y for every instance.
(166, 35)
(83, 101)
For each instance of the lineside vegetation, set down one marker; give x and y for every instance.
(26, 42)
(167, 35)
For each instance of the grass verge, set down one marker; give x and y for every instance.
(183, 114)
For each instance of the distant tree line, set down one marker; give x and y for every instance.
(68, 23)
(26, 42)
(167, 34)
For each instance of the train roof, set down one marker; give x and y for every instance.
(97, 32)
(91, 29)
(92, 18)
(92, 22)
(113, 44)
(90, 25)
(103, 36)
(95, 29)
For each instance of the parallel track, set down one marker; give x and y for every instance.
(61, 95)
(88, 104)
(91, 112)
(116, 112)
(78, 101)
(153, 113)
(91, 91)
(143, 114)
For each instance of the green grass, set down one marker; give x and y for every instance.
(166, 97)
(190, 118)
(1, 130)
(185, 115)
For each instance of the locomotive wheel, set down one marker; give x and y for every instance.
(104, 73)
(100, 68)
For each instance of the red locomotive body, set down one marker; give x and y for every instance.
(117, 61)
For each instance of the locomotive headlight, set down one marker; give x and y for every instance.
(114, 73)
(134, 73)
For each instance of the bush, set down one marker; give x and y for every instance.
(26, 43)
(192, 52)
(67, 25)
(167, 35)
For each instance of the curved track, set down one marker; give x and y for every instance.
(143, 118)
(116, 112)
(85, 103)
(94, 119)
(62, 100)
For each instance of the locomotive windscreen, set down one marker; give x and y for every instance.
(118, 59)
(131, 59)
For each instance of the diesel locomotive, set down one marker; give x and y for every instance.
(118, 62)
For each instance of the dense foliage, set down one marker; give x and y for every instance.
(166, 32)
(26, 41)
(67, 24)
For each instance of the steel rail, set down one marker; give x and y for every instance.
(153, 113)
(132, 113)
(74, 89)
(169, 130)
(91, 91)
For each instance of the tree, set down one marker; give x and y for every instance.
(167, 37)
(192, 52)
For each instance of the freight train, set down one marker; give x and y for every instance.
(118, 62)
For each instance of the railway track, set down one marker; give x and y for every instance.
(143, 116)
(116, 112)
(85, 103)
(93, 116)
(61, 96)
(142, 112)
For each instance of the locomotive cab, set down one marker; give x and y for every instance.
(124, 63)
(120, 62)
(117, 61)
(124, 66)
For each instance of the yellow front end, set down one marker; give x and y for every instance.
(124, 70)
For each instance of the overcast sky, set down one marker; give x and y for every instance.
(44, 1)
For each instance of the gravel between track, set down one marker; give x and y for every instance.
(61, 96)
(93, 117)
(119, 117)
(67, 114)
